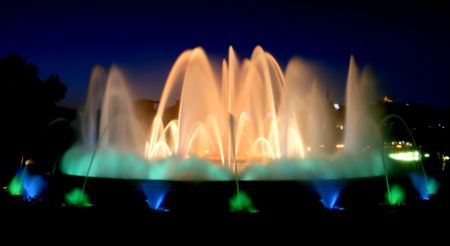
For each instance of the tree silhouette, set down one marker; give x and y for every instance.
(29, 105)
(54, 88)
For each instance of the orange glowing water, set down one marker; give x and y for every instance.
(250, 112)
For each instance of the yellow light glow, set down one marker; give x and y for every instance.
(398, 146)
(386, 99)
(340, 146)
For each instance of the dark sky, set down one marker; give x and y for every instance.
(406, 45)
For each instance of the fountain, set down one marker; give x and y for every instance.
(252, 121)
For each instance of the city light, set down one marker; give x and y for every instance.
(336, 106)
(407, 156)
(340, 146)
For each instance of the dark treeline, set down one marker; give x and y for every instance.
(31, 119)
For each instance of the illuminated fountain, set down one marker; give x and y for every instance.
(251, 121)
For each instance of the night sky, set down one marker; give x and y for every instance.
(406, 45)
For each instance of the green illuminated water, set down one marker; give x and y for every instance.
(241, 202)
(396, 196)
(113, 164)
(15, 187)
(77, 197)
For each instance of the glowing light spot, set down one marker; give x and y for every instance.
(397, 195)
(241, 202)
(15, 186)
(386, 99)
(426, 155)
(33, 186)
(27, 185)
(340, 146)
(77, 198)
(155, 196)
(408, 156)
(329, 195)
(336, 106)
(398, 146)
(426, 187)
(308, 149)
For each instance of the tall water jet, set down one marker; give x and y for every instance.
(361, 129)
(90, 113)
(119, 127)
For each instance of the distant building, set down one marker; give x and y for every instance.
(386, 99)
(146, 110)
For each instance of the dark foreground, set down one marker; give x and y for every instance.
(286, 209)
(393, 225)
